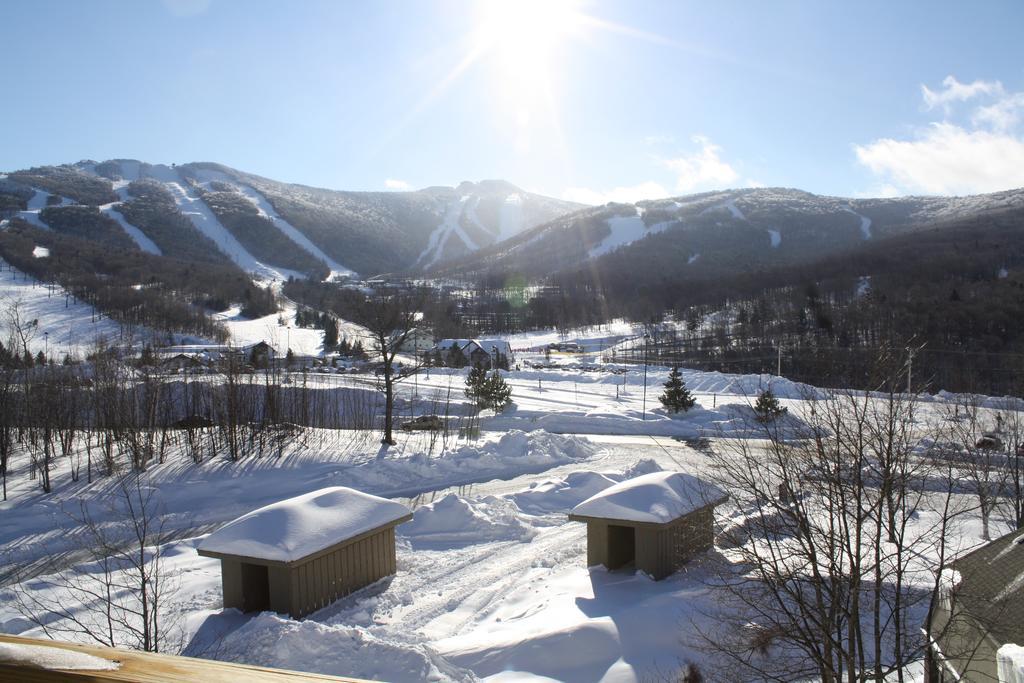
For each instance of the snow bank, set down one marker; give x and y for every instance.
(298, 527)
(455, 519)
(52, 658)
(513, 454)
(560, 495)
(270, 640)
(1010, 662)
(658, 498)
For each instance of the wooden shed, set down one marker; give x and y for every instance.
(656, 522)
(298, 555)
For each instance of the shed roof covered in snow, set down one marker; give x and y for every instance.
(294, 529)
(655, 498)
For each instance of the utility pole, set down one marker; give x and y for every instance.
(647, 339)
(910, 367)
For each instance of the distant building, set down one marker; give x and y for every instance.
(299, 555)
(182, 361)
(656, 522)
(498, 347)
(418, 341)
(475, 352)
(979, 610)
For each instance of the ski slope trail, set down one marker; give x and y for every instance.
(196, 210)
(865, 222)
(143, 242)
(267, 211)
(449, 229)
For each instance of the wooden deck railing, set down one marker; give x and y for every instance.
(146, 667)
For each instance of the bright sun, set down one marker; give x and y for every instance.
(524, 37)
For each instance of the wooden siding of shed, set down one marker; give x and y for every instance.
(328, 577)
(597, 543)
(660, 550)
(231, 583)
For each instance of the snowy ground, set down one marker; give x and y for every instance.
(492, 582)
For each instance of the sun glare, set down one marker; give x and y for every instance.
(524, 36)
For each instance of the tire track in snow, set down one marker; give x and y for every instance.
(451, 597)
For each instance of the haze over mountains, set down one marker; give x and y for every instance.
(210, 213)
(718, 233)
(206, 211)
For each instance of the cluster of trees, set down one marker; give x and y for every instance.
(67, 181)
(87, 222)
(317, 320)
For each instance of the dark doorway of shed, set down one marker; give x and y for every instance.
(255, 588)
(621, 546)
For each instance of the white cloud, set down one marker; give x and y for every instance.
(625, 195)
(393, 184)
(704, 169)
(954, 91)
(947, 159)
(700, 170)
(1003, 115)
(982, 152)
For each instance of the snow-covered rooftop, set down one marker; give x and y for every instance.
(295, 528)
(658, 498)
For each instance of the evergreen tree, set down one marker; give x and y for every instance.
(344, 348)
(676, 396)
(497, 392)
(358, 352)
(330, 332)
(40, 358)
(767, 407)
(476, 386)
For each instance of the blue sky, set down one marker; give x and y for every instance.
(590, 100)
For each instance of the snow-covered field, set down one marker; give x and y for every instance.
(491, 581)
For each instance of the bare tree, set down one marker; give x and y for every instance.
(1012, 411)
(389, 318)
(21, 331)
(979, 454)
(120, 600)
(829, 560)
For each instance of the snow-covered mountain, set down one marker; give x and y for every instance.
(723, 231)
(274, 230)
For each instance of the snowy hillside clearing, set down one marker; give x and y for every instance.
(626, 230)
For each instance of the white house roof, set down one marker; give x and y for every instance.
(657, 498)
(298, 527)
(501, 345)
(462, 344)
